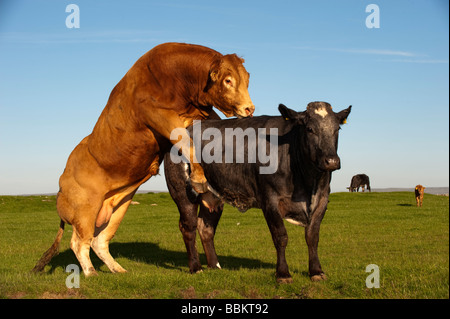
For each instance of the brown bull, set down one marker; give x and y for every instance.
(167, 88)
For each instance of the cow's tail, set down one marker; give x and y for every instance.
(51, 252)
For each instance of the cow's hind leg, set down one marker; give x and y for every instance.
(280, 240)
(188, 227)
(186, 202)
(207, 224)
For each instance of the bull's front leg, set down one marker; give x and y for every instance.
(168, 124)
(312, 240)
(280, 240)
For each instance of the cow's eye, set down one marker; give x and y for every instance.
(309, 129)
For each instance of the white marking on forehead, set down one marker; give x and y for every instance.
(322, 112)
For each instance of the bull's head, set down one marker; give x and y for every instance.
(228, 87)
(319, 126)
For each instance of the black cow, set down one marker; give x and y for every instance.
(360, 180)
(296, 190)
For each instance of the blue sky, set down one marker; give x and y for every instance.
(55, 81)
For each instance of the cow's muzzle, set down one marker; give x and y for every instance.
(331, 163)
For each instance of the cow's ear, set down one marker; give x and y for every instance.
(287, 113)
(342, 115)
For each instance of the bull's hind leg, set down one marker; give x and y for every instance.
(207, 224)
(81, 245)
(83, 233)
(104, 233)
(82, 219)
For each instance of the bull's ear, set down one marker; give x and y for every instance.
(213, 75)
(215, 69)
(342, 115)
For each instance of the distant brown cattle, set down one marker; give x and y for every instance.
(168, 87)
(419, 195)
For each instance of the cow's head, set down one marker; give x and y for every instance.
(228, 86)
(319, 126)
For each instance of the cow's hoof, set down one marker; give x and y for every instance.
(286, 280)
(216, 266)
(196, 269)
(319, 277)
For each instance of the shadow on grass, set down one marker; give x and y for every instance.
(153, 254)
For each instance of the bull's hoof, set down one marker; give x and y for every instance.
(319, 277)
(90, 273)
(285, 280)
(119, 270)
(199, 187)
(211, 202)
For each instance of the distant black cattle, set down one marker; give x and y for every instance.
(360, 180)
(297, 190)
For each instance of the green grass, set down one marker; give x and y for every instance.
(409, 244)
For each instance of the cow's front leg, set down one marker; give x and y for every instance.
(312, 240)
(280, 240)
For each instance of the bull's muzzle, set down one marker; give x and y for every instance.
(245, 111)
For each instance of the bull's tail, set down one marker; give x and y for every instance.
(51, 252)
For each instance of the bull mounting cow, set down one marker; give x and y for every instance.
(167, 88)
(297, 191)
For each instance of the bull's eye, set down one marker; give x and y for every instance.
(309, 129)
(228, 82)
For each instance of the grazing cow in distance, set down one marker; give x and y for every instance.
(419, 191)
(169, 87)
(303, 146)
(360, 180)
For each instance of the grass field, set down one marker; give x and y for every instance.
(410, 245)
